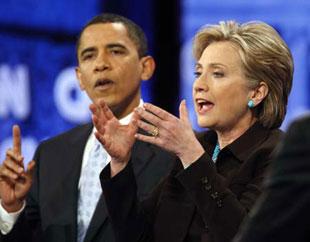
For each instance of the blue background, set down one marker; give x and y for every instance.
(38, 89)
(290, 18)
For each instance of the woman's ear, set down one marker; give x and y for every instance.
(148, 67)
(259, 93)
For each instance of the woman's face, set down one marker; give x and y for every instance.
(221, 91)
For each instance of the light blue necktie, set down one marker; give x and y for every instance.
(90, 188)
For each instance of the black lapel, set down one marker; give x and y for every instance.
(142, 153)
(62, 206)
(100, 215)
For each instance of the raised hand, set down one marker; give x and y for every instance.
(169, 132)
(116, 138)
(15, 182)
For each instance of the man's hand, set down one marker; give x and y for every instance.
(117, 139)
(15, 182)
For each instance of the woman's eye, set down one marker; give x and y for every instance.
(197, 74)
(218, 74)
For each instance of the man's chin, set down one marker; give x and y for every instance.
(106, 100)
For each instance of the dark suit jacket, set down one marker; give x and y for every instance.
(282, 214)
(205, 202)
(51, 211)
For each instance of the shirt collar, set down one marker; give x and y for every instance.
(247, 142)
(242, 147)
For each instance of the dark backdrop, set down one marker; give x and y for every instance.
(38, 88)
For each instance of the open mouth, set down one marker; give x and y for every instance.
(203, 105)
(103, 83)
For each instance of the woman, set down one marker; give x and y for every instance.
(243, 79)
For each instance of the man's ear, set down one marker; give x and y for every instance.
(78, 75)
(259, 93)
(148, 67)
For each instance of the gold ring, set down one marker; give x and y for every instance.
(154, 132)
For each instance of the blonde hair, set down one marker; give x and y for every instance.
(265, 57)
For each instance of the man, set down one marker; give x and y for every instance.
(112, 59)
(282, 213)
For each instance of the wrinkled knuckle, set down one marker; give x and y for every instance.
(6, 162)
(161, 142)
(169, 126)
(8, 152)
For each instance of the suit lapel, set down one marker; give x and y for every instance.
(142, 153)
(63, 205)
(100, 215)
(77, 151)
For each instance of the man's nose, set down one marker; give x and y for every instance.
(102, 63)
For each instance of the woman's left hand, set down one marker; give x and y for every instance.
(169, 132)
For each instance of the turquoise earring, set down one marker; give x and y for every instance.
(251, 104)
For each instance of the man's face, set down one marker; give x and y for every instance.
(110, 67)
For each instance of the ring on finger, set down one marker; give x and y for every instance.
(154, 132)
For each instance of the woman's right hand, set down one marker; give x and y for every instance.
(15, 182)
(170, 132)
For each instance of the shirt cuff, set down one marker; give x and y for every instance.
(7, 220)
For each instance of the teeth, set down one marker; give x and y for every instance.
(201, 101)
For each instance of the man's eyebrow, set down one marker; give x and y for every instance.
(116, 45)
(89, 49)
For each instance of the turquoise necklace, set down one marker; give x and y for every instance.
(216, 152)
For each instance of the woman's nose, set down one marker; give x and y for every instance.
(200, 85)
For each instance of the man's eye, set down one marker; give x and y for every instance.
(87, 57)
(117, 52)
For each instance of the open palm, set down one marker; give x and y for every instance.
(116, 138)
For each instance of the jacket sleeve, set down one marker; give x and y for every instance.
(131, 219)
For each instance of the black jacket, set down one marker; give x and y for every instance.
(51, 211)
(205, 202)
(283, 211)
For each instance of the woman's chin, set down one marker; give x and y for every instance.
(203, 123)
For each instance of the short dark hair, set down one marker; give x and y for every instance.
(135, 33)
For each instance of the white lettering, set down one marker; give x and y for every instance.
(14, 92)
(71, 103)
